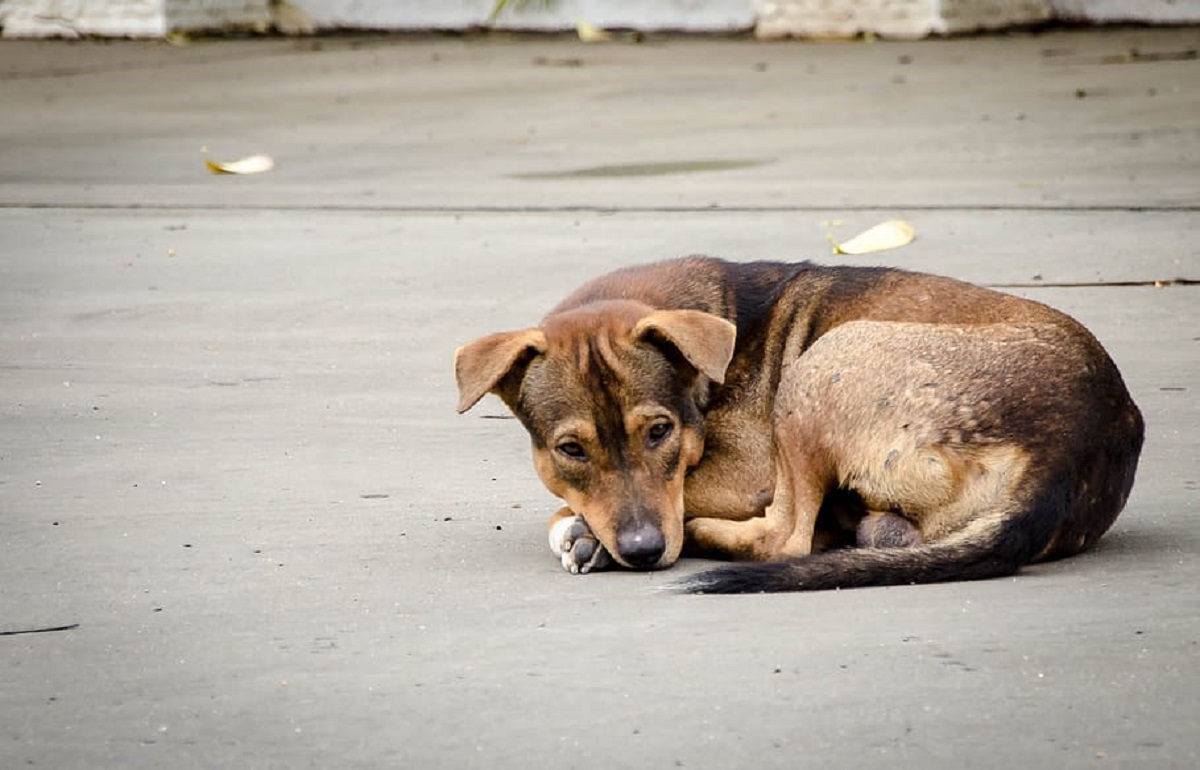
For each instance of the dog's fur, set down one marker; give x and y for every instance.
(775, 413)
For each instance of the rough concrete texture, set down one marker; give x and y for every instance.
(232, 473)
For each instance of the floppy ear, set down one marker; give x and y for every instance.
(705, 340)
(479, 366)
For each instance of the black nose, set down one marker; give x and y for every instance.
(640, 545)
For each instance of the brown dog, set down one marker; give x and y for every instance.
(776, 412)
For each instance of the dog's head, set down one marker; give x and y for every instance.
(612, 396)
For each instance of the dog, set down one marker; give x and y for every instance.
(823, 426)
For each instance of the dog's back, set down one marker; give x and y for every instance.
(984, 435)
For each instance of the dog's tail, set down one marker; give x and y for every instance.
(993, 546)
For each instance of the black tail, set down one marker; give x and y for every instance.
(978, 552)
(856, 568)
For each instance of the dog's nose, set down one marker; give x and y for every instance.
(640, 545)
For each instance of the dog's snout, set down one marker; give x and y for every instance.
(640, 544)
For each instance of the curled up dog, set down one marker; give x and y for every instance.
(824, 427)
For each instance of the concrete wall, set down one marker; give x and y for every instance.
(126, 18)
(1148, 11)
(893, 18)
(693, 15)
(769, 18)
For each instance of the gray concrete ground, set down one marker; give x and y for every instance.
(231, 465)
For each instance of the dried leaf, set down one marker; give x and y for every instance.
(290, 19)
(254, 164)
(589, 33)
(888, 235)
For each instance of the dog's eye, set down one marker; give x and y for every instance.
(572, 450)
(658, 433)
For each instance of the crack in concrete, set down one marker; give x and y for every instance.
(48, 630)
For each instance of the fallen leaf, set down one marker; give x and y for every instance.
(888, 235)
(254, 164)
(290, 19)
(589, 33)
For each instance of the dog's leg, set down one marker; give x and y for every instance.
(574, 544)
(785, 530)
(728, 539)
(887, 530)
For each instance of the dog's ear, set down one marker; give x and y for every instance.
(479, 366)
(705, 340)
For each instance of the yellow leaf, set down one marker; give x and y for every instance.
(254, 164)
(888, 235)
(290, 19)
(590, 33)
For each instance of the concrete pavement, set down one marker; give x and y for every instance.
(232, 473)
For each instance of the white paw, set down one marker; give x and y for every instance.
(573, 542)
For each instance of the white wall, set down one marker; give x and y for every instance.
(770, 18)
(693, 15)
(1150, 11)
(126, 18)
(893, 18)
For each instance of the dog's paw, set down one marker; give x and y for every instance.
(573, 542)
